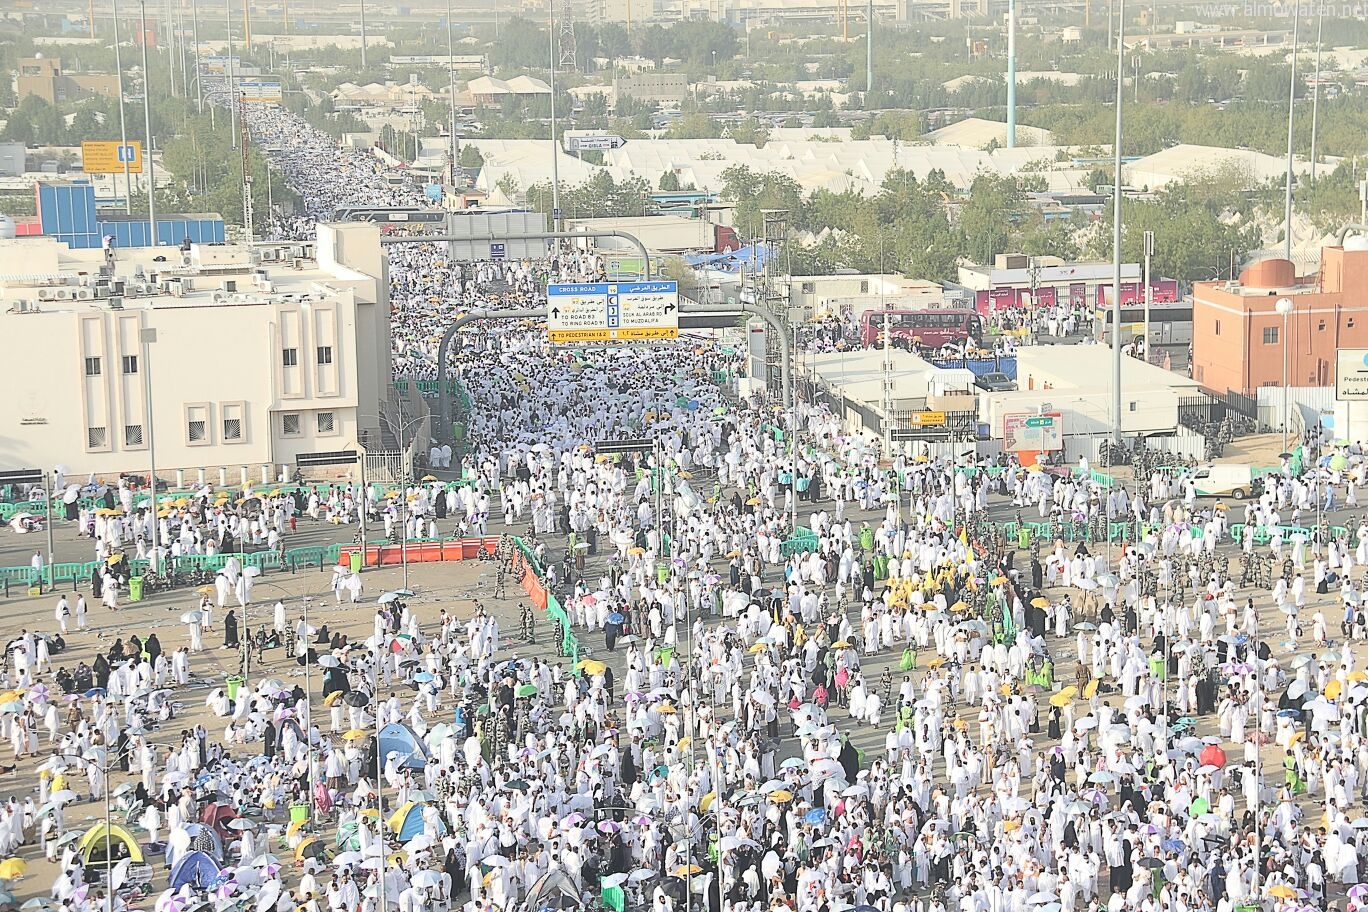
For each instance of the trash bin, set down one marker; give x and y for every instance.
(135, 586)
(1023, 537)
(299, 812)
(234, 682)
(1158, 670)
(357, 560)
(662, 573)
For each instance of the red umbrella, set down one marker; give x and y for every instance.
(1212, 755)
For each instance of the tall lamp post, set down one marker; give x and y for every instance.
(1284, 307)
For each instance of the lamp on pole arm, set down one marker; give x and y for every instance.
(1284, 307)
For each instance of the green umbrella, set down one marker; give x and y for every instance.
(526, 690)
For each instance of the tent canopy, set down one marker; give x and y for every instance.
(197, 869)
(401, 739)
(97, 838)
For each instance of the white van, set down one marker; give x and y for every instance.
(1218, 480)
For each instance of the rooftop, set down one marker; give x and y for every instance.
(42, 275)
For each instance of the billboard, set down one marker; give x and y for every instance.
(260, 91)
(1033, 431)
(110, 157)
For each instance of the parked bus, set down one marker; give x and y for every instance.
(928, 328)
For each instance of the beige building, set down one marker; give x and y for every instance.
(261, 355)
(44, 78)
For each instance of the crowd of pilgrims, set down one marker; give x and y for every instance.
(733, 744)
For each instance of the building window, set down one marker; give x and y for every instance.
(133, 436)
(1218, 328)
(809, 288)
(130, 364)
(327, 422)
(232, 423)
(1350, 324)
(92, 367)
(97, 438)
(1321, 327)
(289, 425)
(197, 430)
(864, 287)
(290, 357)
(325, 354)
(1270, 335)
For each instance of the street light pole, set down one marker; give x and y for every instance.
(555, 151)
(1284, 307)
(123, 123)
(146, 337)
(1116, 221)
(147, 153)
(1149, 296)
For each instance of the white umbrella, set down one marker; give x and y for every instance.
(615, 880)
(426, 879)
(641, 874)
(191, 617)
(270, 894)
(329, 661)
(251, 571)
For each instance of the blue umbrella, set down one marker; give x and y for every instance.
(423, 677)
(615, 618)
(95, 692)
(1173, 845)
(816, 816)
(1289, 714)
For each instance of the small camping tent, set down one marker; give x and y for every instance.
(197, 869)
(399, 738)
(95, 844)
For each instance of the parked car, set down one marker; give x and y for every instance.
(995, 382)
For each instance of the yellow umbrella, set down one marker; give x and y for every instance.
(11, 868)
(1282, 891)
(1040, 602)
(591, 667)
(1071, 690)
(1061, 700)
(706, 801)
(756, 647)
(937, 662)
(332, 698)
(781, 796)
(1332, 690)
(1011, 826)
(686, 870)
(10, 696)
(684, 743)
(636, 551)
(1090, 689)
(293, 828)
(355, 734)
(754, 502)
(840, 644)
(1358, 675)
(429, 478)
(733, 553)
(960, 606)
(368, 812)
(667, 710)
(210, 590)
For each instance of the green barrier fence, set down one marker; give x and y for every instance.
(569, 642)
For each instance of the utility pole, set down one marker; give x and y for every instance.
(1315, 93)
(555, 143)
(869, 58)
(232, 83)
(1149, 293)
(455, 172)
(1011, 73)
(245, 141)
(147, 156)
(363, 34)
(1116, 221)
(1291, 110)
(123, 123)
(199, 86)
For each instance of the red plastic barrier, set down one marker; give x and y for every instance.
(424, 552)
